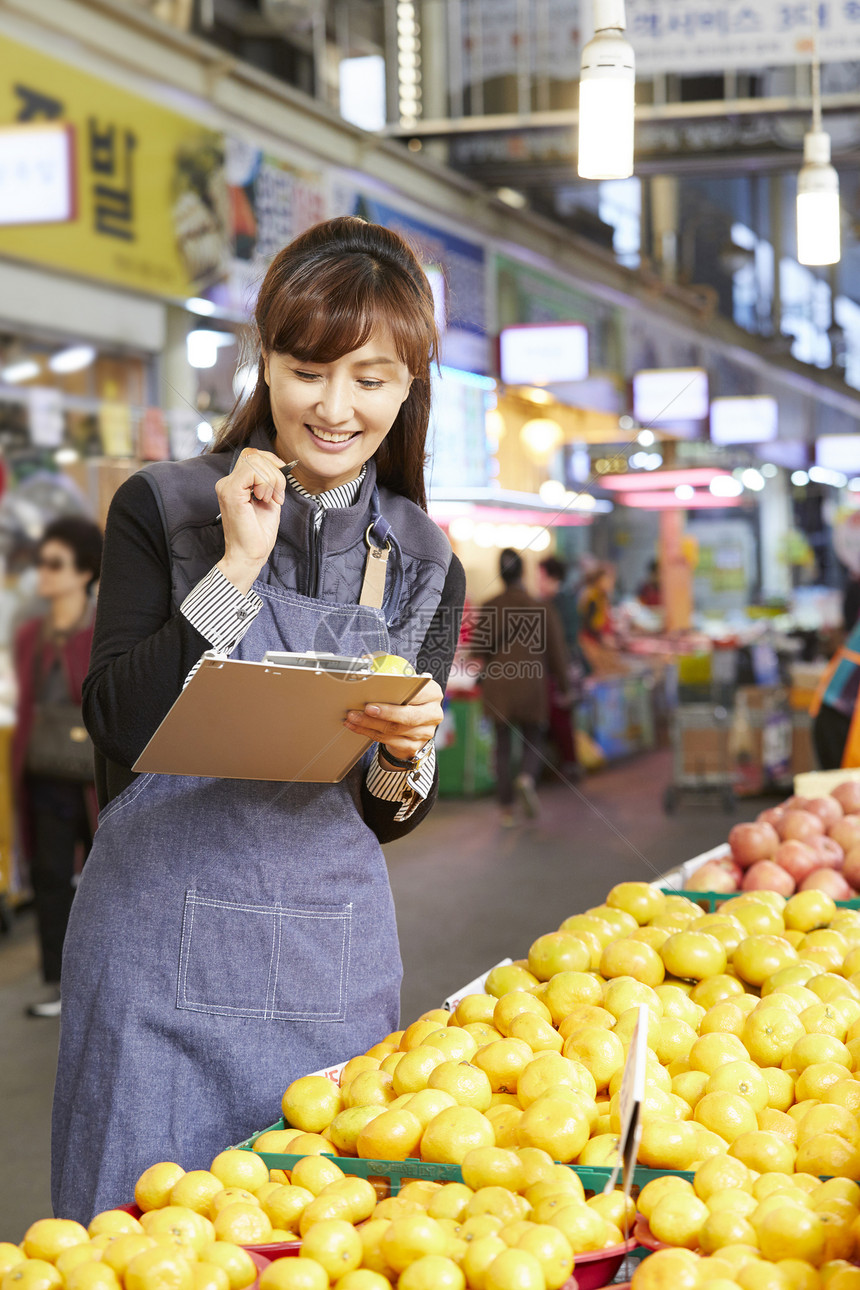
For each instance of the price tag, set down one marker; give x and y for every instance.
(331, 1072)
(630, 1105)
(474, 987)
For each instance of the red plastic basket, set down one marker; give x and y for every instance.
(591, 1271)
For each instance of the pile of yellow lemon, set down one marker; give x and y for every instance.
(185, 1239)
(515, 1223)
(753, 1041)
(732, 1227)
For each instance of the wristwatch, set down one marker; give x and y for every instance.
(413, 765)
(414, 762)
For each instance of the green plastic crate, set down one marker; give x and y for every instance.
(594, 1177)
(714, 899)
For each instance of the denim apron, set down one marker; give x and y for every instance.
(227, 936)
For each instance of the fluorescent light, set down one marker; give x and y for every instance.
(666, 501)
(697, 475)
(606, 97)
(684, 492)
(66, 456)
(753, 480)
(823, 475)
(854, 485)
(541, 436)
(74, 359)
(769, 470)
(818, 215)
(511, 197)
(24, 370)
(799, 478)
(202, 346)
(205, 433)
(552, 491)
(725, 486)
(199, 305)
(644, 437)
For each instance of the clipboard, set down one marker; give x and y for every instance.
(243, 720)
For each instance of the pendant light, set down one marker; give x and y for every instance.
(818, 215)
(606, 97)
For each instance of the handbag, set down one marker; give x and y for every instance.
(59, 746)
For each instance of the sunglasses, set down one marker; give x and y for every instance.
(52, 563)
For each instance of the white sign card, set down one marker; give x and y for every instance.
(46, 417)
(631, 1097)
(37, 174)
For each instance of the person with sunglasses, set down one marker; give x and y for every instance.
(52, 763)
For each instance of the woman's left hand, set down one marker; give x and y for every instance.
(402, 727)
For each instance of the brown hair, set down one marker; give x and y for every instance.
(321, 298)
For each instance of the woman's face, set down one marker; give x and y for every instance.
(58, 574)
(333, 416)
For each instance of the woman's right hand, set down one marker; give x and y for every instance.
(250, 497)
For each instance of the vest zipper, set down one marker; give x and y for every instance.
(313, 563)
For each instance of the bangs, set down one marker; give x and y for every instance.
(329, 309)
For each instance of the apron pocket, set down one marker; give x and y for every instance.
(273, 962)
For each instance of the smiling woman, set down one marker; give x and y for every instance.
(264, 943)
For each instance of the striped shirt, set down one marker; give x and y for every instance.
(221, 613)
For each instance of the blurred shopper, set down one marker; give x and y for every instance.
(551, 577)
(52, 756)
(596, 636)
(836, 709)
(231, 935)
(650, 592)
(520, 643)
(851, 602)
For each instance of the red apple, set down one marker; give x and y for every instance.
(715, 875)
(851, 867)
(797, 859)
(829, 881)
(771, 815)
(752, 842)
(830, 854)
(800, 826)
(827, 809)
(766, 875)
(846, 831)
(847, 795)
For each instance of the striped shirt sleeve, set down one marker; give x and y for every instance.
(405, 786)
(220, 611)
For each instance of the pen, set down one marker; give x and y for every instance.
(285, 469)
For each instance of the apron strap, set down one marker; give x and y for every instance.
(375, 569)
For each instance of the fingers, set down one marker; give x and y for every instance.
(385, 721)
(256, 476)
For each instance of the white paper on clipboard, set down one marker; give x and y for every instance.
(241, 720)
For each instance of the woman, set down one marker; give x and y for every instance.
(231, 935)
(51, 760)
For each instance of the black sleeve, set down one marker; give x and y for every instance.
(435, 656)
(142, 649)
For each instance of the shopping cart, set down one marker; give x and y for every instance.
(700, 730)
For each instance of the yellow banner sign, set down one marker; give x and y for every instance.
(151, 208)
